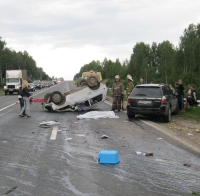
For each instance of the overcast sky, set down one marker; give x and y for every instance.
(63, 35)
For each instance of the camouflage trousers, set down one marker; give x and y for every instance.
(116, 102)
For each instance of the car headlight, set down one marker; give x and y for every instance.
(17, 87)
(5, 87)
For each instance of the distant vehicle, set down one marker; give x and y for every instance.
(88, 95)
(37, 84)
(152, 99)
(14, 80)
(31, 87)
(97, 74)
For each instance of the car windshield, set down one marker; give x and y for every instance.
(144, 91)
(9, 80)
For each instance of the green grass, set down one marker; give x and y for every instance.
(192, 113)
(196, 193)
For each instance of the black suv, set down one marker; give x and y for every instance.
(147, 99)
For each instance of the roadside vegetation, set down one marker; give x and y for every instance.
(196, 193)
(192, 113)
(157, 62)
(12, 60)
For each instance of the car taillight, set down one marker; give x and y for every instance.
(163, 100)
(129, 100)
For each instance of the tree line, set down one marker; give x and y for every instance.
(12, 60)
(158, 62)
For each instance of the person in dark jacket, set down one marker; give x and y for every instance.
(21, 100)
(180, 93)
(26, 97)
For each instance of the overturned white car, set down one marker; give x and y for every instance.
(87, 95)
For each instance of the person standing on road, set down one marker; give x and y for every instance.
(26, 97)
(117, 93)
(21, 101)
(130, 85)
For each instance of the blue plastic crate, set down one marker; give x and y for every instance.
(108, 157)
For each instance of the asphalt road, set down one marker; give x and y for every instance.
(34, 161)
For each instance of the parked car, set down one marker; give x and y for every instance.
(152, 99)
(86, 96)
(31, 87)
(37, 84)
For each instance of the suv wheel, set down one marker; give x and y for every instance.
(130, 115)
(168, 117)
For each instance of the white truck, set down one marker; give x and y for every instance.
(14, 80)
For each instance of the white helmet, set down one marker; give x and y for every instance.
(129, 77)
(117, 76)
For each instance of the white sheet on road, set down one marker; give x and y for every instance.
(98, 114)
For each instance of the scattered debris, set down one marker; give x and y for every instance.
(197, 130)
(47, 124)
(159, 138)
(75, 122)
(149, 154)
(5, 142)
(104, 137)
(190, 134)
(12, 189)
(138, 153)
(125, 121)
(33, 132)
(69, 138)
(80, 135)
(187, 164)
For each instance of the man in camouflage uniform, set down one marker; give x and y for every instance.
(117, 93)
(130, 85)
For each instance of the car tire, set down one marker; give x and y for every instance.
(81, 82)
(177, 109)
(130, 115)
(95, 87)
(167, 118)
(92, 81)
(10, 93)
(57, 97)
(47, 98)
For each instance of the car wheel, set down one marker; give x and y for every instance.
(92, 81)
(81, 82)
(10, 93)
(177, 109)
(57, 97)
(130, 115)
(167, 118)
(47, 98)
(95, 87)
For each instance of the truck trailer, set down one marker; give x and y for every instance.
(14, 80)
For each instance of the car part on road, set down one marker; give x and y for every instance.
(104, 137)
(108, 157)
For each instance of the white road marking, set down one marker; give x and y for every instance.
(32, 96)
(54, 133)
(7, 107)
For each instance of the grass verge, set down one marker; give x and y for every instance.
(192, 113)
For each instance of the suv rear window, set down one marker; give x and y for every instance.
(145, 91)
